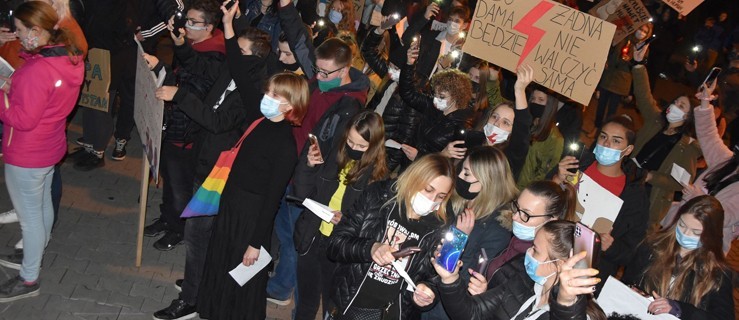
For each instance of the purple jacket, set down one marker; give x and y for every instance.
(42, 94)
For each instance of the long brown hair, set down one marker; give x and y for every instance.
(347, 15)
(369, 125)
(543, 128)
(42, 15)
(707, 261)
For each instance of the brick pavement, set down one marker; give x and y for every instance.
(88, 269)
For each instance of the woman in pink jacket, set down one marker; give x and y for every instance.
(721, 177)
(34, 108)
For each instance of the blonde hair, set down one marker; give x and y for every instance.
(418, 175)
(490, 166)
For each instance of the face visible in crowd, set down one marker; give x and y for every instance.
(534, 206)
(286, 55)
(195, 20)
(355, 141)
(444, 95)
(284, 103)
(613, 135)
(437, 189)
(474, 75)
(467, 175)
(458, 20)
(328, 70)
(338, 6)
(503, 117)
(689, 225)
(683, 103)
(540, 252)
(539, 97)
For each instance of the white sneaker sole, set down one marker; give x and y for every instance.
(189, 316)
(21, 296)
(279, 302)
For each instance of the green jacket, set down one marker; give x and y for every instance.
(542, 157)
(685, 153)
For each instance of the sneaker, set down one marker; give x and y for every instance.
(19, 244)
(177, 310)
(278, 302)
(89, 161)
(9, 216)
(178, 284)
(169, 241)
(14, 289)
(81, 142)
(119, 152)
(13, 260)
(156, 228)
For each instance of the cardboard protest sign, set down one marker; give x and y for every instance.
(683, 6)
(627, 15)
(94, 93)
(567, 48)
(148, 113)
(358, 9)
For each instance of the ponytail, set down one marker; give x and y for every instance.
(42, 15)
(62, 36)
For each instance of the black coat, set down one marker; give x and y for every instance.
(436, 129)
(320, 183)
(716, 304)
(401, 122)
(351, 245)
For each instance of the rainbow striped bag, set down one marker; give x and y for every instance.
(207, 198)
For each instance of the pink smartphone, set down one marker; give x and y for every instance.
(589, 241)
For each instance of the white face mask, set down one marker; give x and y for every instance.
(675, 114)
(394, 74)
(640, 34)
(441, 104)
(422, 205)
(493, 132)
(453, 28)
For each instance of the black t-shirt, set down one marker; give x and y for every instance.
(383, 283)
(656, 150)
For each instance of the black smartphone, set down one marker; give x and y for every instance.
(179, 22)
(406, 252)
(230, 4)
(482, 262)
(452, 246)
(574, 149)
(416, 44)
(9, 21)
(589, 241)
(711, 77)
(641, 45)
(460, 135)
(474, 139)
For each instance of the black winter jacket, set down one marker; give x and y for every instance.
(436, 130)
(509, 289)
(351, 245)
(715, 305)
(298, 38)
(320, 183)
(401, 122)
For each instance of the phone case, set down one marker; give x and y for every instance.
(589, 241)
(451, 249)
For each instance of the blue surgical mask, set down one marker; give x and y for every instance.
(330, 84)
(686, 241)
(270, 107)
(607, 156)
(335, 16)
(523, 232)
(532, 265)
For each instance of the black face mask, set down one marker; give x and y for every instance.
(537, 110)
(475, 87)
(292, 67)
(354, 154)
(463, 189)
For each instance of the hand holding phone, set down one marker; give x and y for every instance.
(712, 76)
(390, 21)
(179, 22)
(452, 246)
(589, 241)
(318, 157)
(229, 4)
(574, 150)
(407, 251)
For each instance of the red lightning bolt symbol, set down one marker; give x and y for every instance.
(526, 26)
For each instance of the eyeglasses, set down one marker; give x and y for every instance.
(324, 74)
(525, 216)
(192, 22)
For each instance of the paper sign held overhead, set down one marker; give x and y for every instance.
(683, 6)
(627, 15)
(567, 48)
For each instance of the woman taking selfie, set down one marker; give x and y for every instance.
(335, 178)
(522, 287)
(390, 216)
(683, 267)
(38, 99)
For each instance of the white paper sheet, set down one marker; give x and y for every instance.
(319, 209)
(401, 271)
(597, 202)
(243, 274)
(390, 143)
(680, 174)
(617, 297)
(160, 78)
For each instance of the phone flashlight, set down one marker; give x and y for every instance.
(455, 54)
(696, 49)
(462, 34)
(574, 146)
(321, 23)
(395, 16)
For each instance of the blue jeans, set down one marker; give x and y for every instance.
(285, 278)
(30, 192)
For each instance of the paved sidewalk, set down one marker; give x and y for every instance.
(88, 269)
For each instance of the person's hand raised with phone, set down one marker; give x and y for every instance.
(478, 284)
(568, 162)
(431, 10)
(412, 53)
(574, 282)
(446, 276)
(451, 151)
(178, 40)
(314, 156)
(228, 18)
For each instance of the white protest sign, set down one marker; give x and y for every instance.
(617, 297)
(627, 15)
(567, 48)
(148, 113)
(683, 6)
(600, 207)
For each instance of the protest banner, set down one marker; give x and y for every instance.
(358, 9)
(627, 15)
(94, 93)
(567, 48)
(683, 6)
(148, 114)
